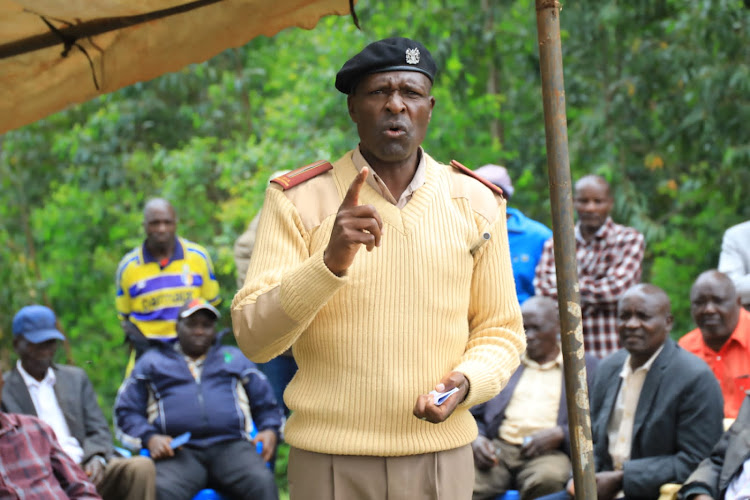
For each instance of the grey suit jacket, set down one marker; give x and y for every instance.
(77, 399)
(677, 422)
(715, 473)
(734, 259)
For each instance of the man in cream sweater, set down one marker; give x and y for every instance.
(427, 304)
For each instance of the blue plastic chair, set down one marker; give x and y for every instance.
(510, 495)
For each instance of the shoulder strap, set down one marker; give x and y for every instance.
(471, 173)
(302, 174)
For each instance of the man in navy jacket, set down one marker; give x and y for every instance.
(211, 391)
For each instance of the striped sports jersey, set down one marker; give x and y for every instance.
(151, 295)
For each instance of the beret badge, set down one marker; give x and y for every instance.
(412, 56)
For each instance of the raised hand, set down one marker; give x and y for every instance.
(355, 225)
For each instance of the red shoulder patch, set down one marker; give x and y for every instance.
(302, 174)
(466, 170)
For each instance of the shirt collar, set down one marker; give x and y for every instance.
(555, 363)
(601, 234)
(627, 370)
(49, 378)
(178, 253)
(515, 220)
(375, 182)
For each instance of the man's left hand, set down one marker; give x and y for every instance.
(543, 442)
(426, 409)
(608, 484)
(268, 438)
(94, 469)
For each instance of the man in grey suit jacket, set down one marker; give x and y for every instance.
(734, 260)
(656, 410)
(63, 397)
(720, 476)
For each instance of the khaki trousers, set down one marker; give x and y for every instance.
(534, 477)
(444, 475)
(129, 479)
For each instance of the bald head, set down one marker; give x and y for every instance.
(540, 320)
(160, 225)
(157, 204)
(644, 320)
(715, 307)
(596, 181)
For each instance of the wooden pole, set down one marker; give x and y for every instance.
(561, 197)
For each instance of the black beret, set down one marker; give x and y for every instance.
(391, 54)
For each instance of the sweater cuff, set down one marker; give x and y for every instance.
(482, 386)
(309, 287)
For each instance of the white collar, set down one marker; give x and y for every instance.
(49, 378)
(627, 370)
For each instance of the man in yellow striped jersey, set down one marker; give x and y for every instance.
(156, 278)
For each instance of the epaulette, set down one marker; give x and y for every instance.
(302, 174)
(466, 170)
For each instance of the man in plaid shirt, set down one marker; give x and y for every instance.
(609, 262)
(34, 465)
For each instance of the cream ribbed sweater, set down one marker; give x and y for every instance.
(436, 296)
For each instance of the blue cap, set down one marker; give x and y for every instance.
(36, 324)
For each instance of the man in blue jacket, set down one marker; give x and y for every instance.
(211, 391)
(526, 236)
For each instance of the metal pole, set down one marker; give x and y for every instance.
(561, 197)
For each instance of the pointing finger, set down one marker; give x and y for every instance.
(352, 195)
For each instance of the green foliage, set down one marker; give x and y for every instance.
(657, 95)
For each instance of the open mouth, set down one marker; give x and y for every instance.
(395, 129)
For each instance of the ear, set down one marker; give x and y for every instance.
(352, 109)
(670, 322)
(432, 106)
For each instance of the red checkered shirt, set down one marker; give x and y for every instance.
(33, 466)
(608, 265)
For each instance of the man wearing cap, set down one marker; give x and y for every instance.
(389, 274)
(62, 396)
(526, 236)
(609, 258)
(211, 391)
(156, 278)
(34, 465)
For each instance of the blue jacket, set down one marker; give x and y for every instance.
(162, 397)
(526, 238)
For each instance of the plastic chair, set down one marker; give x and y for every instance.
(209, 494)
(510, 495)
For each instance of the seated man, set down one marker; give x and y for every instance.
(199, 386)
(523, 437)
(656, 410)
(34, 464)
(722, 338)
(725, 474)
(63, 397)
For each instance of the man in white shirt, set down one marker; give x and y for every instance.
(63, 397)
(656, 409)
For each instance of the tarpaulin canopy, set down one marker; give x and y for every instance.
(56, 53)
